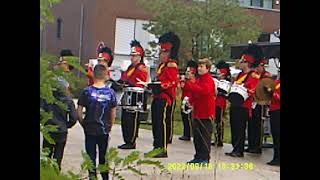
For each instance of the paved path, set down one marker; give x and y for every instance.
(178, 152)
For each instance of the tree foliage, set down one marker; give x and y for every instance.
(207, 28)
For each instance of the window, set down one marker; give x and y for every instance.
(257, 3)
(267, 4)
(124, 35)
(126, 31)
(59, 28)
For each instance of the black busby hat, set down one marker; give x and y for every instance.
(192, 64)
(170, 42)
(105, 53)
(137, 49)
(224, 68)
(253, 54)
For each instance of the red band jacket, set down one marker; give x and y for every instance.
(202, 97)
(133, 72)
(167, 74)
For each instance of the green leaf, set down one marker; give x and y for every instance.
(87, 164)
(149, 162)
(103, 168)
(111, 154)
(134, 170)
(133, 156)
(117, 161)
(72, 175)
(153, 153)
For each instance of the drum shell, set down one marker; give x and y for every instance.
(224, 87)
(134, 98)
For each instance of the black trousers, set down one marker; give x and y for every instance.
(130, 126)
(187, 127)
(91, 143)
(238, 119)
(170, 114)
(255, 128)
(57, 149)
(275, 130)
(219, 123)
(160, 123)
(202, 131)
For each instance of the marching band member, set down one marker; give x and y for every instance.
(203, 102)
(187, 117)
(162, 106)
(221, 103)
(255, 125)
(275, 123)
(136, 72)
(239, 115)
(105, 57)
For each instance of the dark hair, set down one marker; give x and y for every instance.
(99, 71)
(67, 52)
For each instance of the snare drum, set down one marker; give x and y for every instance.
(216, 84)
(224, 87)
(134, 98)
(238, 94)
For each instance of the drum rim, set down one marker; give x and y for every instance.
(135, 89)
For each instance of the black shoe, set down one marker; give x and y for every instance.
(127, 146)
(184, 138)
(198, 161)
(220, 144)
(192, 161)
(274, 162)
(161, 155)
(234, 154)
(254, 151)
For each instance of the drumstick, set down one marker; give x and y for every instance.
(141, 82)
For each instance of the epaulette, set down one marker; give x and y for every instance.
(142, 68)
(172, 64)
(255, 75)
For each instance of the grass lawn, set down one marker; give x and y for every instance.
(178, 125)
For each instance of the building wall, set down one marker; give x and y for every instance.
(270, 18)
